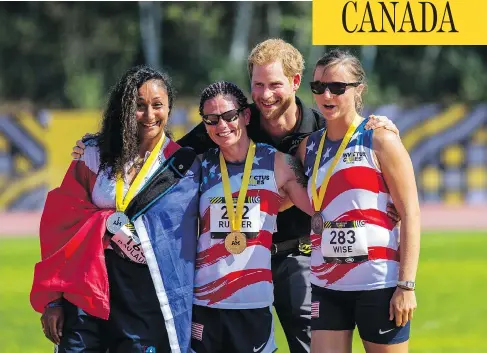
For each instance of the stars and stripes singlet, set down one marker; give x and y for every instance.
(241, 281)
(358, 249)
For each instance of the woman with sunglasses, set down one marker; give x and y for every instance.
(243, 186)
(104, 283)
(359, 274)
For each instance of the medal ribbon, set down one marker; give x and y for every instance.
(122, 202)
(318, 199)
(236, 217)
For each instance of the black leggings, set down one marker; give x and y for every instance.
(135, 324)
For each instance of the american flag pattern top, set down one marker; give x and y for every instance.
(241, 281)
(356, 192)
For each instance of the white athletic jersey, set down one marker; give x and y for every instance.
(242, 281)
(358, 249)
(103, 194)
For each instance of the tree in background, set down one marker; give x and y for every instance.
(67, 54)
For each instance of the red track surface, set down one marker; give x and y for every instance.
(433, 217)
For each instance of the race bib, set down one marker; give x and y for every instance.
(344, 242)
(220, 222)
(126, 244)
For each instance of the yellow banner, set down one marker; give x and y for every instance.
(399, 22)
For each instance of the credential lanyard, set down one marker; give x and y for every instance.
(122, 202)
(318, 199)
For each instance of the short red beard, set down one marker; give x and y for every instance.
(280, 110)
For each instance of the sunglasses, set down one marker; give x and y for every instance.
(337, 88)
(231, 115)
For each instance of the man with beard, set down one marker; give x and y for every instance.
(279, 118)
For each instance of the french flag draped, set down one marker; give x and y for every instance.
(72, 249)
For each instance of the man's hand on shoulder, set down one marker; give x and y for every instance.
(79, 148)
(378, 121)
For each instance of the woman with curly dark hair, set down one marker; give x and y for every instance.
(121, 137)
(118, 262)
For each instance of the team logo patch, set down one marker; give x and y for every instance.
(197, 331)
(149, 349)
(258, 179)
(353, 157)
(315, 309)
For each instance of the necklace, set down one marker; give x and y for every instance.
(137, 165)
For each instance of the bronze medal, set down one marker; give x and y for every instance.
(235, 242)
(317, 223)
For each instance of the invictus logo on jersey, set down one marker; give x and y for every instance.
(352, 157)
(392, 22)
(258, 179)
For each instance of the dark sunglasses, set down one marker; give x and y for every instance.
(318, 87)
(231, 115)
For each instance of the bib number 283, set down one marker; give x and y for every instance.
(341, 237)
(344, 242)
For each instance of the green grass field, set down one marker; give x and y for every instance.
(451, 293)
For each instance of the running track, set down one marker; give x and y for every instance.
(433, 217)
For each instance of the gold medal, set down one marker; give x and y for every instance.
(235, 242)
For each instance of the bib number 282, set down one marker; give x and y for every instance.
(246, 210)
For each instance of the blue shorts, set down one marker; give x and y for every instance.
(369, 309)
(232, 330)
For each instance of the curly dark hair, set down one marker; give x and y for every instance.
(118, 138)
(223, 88)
